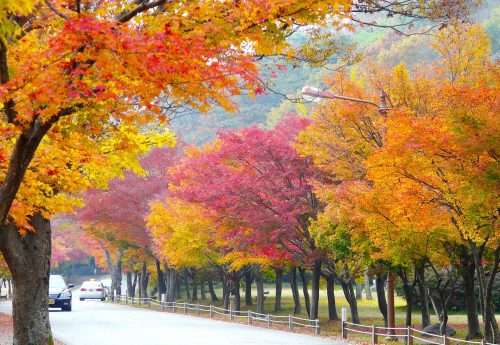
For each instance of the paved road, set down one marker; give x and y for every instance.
(96, 323)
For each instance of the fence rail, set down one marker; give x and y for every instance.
(408, 334)
(250, 316)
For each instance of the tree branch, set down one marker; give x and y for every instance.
(55, 10)
(125, 17)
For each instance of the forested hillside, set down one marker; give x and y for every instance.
(373, 43)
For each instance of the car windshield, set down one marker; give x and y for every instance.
(56, 282)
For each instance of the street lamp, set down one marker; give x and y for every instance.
(312, 94)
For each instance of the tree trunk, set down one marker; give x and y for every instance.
(139, 279)
(203, 292)
(144, 280)
(491, 330)
(359, 291)
(28, 258)
(162, 288)
(295, 290)
(116, 272)
(279, 287)
(305, 290)
(186, 285)
(382, 302)
(141, 293)
(474, 329)
(330, 291)
(443, 317)
(260, 289)
(424, 296)
(213, 296)
(248, 286)
(225, 290)
(368, 286)
(129, 284)
(236, 290)
(316, 274)
(194, 296)
(177, 286)
(134, 283)
(168, 284)
(171, 285)
(193, 275)
(351, 299)
(409, 296)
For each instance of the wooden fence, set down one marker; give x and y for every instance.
(250, 316)
(408, 334)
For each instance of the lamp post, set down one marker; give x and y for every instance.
(312, 93)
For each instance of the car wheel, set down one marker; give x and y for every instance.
(103, 299)
(68, 308)
(81, 299)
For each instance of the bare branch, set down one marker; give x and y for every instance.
(55, 10)
(125, 17)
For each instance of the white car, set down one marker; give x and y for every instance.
(92, 289)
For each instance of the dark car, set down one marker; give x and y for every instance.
(59, 293)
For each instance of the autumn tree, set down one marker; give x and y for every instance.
(184, 237)
(116, 215)
(418, 184)
(340, 138)
(446, 155)
(255, 180)
(69, 241)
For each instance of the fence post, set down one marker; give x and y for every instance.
(342, 325)
(409, 336)
(374, 335)
(249, 317)
(211, 311)
(126, 297)
(483, 342)
(173, 306)
(185, 307)
(445, 339)
(231, 310)
(269, 323)
(290, 325)
(197, 309)
(317, 327)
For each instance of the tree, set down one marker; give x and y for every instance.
(69, 241)
(434, 199)
(116, 215)
(254, 180)
(446, 155)
(340, 138)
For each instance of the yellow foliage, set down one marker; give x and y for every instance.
(183, 233)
